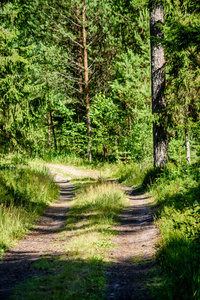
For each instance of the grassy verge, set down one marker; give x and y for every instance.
(24, 194)
(79, 272)
(177, 192)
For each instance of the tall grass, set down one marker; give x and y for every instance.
(67, 159)
(177, 192)
(101, 201)
(126, 173)
(24, 195)
(13, 222)
(79, 272)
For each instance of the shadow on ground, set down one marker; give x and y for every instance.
(60, 276)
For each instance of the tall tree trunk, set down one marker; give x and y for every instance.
(79, 95)
(187, 135)
(49, 129)
(53, 131)
(86, 84)
(105, 153)
(187, 146)
(160, 136)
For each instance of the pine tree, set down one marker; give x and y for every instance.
(80, 29)
(160, 135)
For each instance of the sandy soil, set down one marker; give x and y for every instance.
(131, 260)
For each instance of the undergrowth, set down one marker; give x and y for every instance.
(177, 193)
(79, 273)
(126, 173)
(176, 190)
(24, 194)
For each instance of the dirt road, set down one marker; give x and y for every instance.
(130, 261)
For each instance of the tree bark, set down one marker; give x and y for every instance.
(86, 84)
(79, 95)
(53, 131)
(49, 129)
(160, 135)
(187, 146)
(105, 153)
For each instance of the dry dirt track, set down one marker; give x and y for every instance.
(136, 242)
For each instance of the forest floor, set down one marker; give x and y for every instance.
(131, 262)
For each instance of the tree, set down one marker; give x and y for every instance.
(160, 135)
(14, 84)
(182, 93)
(81, 29)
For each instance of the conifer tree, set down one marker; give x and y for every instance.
(81, 30)
(182, 54)
(13, 83)
(160, 135)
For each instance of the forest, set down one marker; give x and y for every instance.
(108, 85)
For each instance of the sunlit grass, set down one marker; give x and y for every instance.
(24, 194)
(13, 222)
(92, 217)
(126, 173)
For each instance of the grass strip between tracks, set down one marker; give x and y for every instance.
(79, 272)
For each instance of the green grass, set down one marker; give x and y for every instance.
(24, 194)
(126, 173)
(88, 234)
(67, 278)
(177, 193)
(66, 159)
(79, 273)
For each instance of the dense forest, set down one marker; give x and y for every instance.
(115, 83)
(76, 78)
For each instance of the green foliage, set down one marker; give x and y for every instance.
(57, 79)
(105, 115)
(177, 192)
(24, 193)
(131, 91)
(14, 70)
(151, 176)
(183, 77)
(42, 109)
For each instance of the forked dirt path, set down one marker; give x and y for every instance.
(130, 260)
